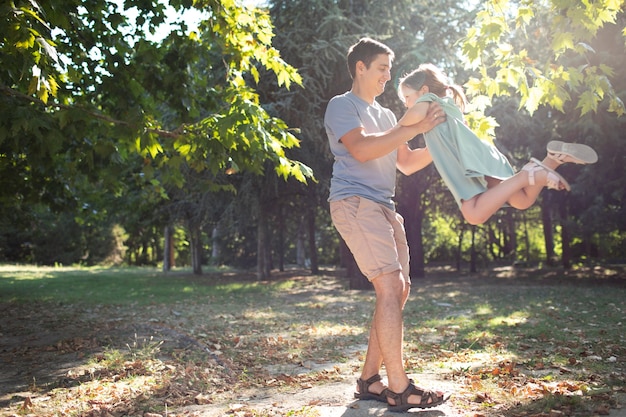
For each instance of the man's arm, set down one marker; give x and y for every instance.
(412, 160)
(365, 147)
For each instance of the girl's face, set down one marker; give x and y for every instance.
(410, 95)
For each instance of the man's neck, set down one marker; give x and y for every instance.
(364, 95)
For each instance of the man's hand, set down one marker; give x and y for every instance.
(435, 116)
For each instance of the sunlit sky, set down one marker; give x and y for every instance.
(191, 17)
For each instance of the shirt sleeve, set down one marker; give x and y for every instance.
(340, 118)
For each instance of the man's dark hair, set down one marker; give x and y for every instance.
(366, 50)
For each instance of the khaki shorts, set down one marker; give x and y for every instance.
(375, 235)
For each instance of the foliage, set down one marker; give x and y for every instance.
(96, 118)
(102, 127)
(80, 63)
(542, 50)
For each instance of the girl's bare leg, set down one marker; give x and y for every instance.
(516, 191)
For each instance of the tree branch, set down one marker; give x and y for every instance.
(17, 94)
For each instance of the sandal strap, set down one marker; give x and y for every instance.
(364, 389)
(531, 168)
(373, 379)
(554, 179)
(558, 157)
(365, 384)
(428, 398)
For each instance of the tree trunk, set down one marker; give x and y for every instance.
(281, 238)
(459, 248)
(548, 235)
(216, 244)
(411, 206)
(356, 279)
(473, 267)
(263, 265)
(168, 249)
(344, 254)
(196, 249)
(566, 259)
(511, 237)
(526, 240)
(300, 247)
(311, 233)
(413, 225)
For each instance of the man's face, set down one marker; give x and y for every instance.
(378, 73)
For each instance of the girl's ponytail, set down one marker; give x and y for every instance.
(459, 96)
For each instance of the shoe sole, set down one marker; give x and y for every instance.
(582, 154)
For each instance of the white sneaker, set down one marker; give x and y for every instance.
(576, 153)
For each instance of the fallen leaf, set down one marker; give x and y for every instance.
(202, 399)
(603, 410)
(28, 404)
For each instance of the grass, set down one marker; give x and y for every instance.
(100, 285)
(516, 342)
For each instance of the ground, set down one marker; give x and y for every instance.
(43, 349)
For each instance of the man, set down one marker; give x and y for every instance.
(368, 147)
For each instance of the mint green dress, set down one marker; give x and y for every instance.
(463, 159)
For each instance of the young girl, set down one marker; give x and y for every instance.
(480, 178)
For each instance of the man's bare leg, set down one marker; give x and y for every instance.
(374, 358)
(387, 328)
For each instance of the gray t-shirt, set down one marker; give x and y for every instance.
(375, 179)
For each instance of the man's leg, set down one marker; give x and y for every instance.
(391, 294)
(366, 226)
(374, 357)
(386, 337)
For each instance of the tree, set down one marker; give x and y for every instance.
(562, 67)
(563, 56)
(84, 92)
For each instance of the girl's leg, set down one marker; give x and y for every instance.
(558, 154)
(521, 190)
(526, 196)
(516, 191)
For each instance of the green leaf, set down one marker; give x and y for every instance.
(562, 41)
(532, 101)
(588, 102)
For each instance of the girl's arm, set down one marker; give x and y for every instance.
(412, 160)
(415, 114)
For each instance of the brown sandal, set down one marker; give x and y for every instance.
(364, 392)
(428, 398)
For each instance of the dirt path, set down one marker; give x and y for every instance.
(336, 400)
(328, 400)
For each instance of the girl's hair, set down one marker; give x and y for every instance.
(366, 50)
(436, 81)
